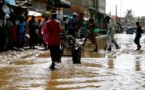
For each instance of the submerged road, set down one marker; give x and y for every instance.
(121, 69)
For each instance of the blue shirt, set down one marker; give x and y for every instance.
(21, 27)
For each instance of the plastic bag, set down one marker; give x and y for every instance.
(95, 31)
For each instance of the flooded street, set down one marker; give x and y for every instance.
(122, 69)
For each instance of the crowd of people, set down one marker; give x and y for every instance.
(13, 34)
(47, 33)
(16, 35)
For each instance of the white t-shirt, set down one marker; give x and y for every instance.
(110, 24)
(111, 29)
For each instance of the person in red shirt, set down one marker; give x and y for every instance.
(14, 35)
(53, 28)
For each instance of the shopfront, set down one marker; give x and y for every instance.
(81, 11)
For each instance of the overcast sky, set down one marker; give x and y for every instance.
(137, 6)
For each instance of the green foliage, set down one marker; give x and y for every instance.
(129, 14)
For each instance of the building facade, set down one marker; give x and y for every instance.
(101, 6)
(89, 8)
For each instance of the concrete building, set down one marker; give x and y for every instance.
(86, 8)
(102, 6)
(91, 8)
(78, 6)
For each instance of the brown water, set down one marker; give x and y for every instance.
(122, 69)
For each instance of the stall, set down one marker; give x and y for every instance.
(37, 15)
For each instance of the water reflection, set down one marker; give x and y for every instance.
(6, 77)
(124, 61)
(138, 66)
(110, 64)
(51, 82)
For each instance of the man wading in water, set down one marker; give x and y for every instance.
(53, 28)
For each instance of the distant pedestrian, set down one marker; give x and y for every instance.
(14, 34)
(110, 35)
(53, 28)
(7, 32)
(73, 25)
(81, 33)
(138, 35)
(21, 31)
(91, 36)
(44, 35)
(65, 24)
(32, 33)
(38, 27)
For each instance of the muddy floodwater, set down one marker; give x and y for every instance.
(122, 69)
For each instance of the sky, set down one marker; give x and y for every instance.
(137, 6)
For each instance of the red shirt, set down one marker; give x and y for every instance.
(53, 28)
(14, 32)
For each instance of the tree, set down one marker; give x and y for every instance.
(129, 16)
(129, 13)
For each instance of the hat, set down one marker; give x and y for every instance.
(75, 13)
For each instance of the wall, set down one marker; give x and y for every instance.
(102, 6)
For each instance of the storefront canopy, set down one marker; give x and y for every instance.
(92, 9)
(34, 13)
(76, 8)
(15, 12)
(62, 3)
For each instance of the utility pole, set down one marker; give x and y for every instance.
(116, 14)
(120, 7)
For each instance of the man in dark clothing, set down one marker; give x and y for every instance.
(7, 29)
(2, 38)
(32, 32)
(138, 35)
(72, 25)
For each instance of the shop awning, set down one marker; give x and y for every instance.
(14, 11)
(76, 8)
(92, 9)
(62, 3)
(34, 13)
(25, 4)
